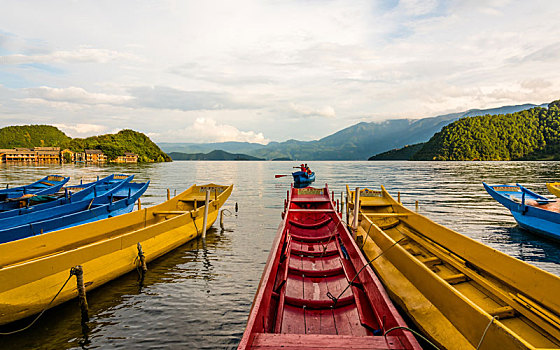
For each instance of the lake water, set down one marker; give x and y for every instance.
(199, 295)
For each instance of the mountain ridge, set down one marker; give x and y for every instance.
(356, 142)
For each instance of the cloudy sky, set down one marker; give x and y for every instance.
(268, 70)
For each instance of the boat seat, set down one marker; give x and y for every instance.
(313, 225)
(383, 215)
(325, 210)
(316, 253)
(169, 212)
(316, 239)
(316, 273)
(319, 304)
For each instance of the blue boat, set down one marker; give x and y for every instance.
(71, 194)
(303, 179)
(47, 185)
(117, 201)
(532, 211)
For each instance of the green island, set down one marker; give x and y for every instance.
(532, 134)
(112, 146)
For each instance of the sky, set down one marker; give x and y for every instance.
(268, 70)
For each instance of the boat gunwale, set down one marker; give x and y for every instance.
(46, 237)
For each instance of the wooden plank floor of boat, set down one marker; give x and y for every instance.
(270, 341)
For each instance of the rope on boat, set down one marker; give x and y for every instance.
(486, 330)
(335, 299)
(367, 236)
(194, 222)
(413, 332)
(45, 309)
(330, 238)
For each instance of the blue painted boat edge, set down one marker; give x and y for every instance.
(99, 212)
(84, 194)
(17, 188)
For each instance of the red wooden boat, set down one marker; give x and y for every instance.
(305, 299)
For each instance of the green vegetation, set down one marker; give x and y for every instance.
(214, 155)
(527, 135)
(113, 145)
(405, 153)
(28, 136)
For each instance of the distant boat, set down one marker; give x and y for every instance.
(317, 290)
(33, 270)
(461, 293)
(33, 202)
(532, 211)
(554, 188)
(117, 201)
(48, 185)
(303, 179)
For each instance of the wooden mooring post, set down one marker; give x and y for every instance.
(206, 204)
(80, 286)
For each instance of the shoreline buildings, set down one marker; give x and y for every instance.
(55, 155)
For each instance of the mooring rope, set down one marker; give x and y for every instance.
(335, 299)
(486, 330)
(413, 332)
(194, 222)
(45, 309)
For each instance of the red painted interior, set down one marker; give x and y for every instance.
(312, 260)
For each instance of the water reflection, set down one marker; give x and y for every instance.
(199, 295)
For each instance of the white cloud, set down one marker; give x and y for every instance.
(208, 130)
(76, 95)
(81, 130)
(80, 55)
(305, 111)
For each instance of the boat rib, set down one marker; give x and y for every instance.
(458, 291)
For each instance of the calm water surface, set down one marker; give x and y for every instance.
(199, 295)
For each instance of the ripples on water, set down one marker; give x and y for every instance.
(199, 295)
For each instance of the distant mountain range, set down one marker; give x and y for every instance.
(213, 155)
(357, 142)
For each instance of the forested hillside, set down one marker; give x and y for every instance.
(404, 153)
(529, 134)
(113, 145)
(32, 136)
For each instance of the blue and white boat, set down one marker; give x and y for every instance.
(117, 201)
(48, 185)
(532, 211)
(303, 179)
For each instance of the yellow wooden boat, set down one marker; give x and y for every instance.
(554, 188)
(461, 293)
(33, 270)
